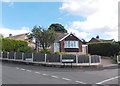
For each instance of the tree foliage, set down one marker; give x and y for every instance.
(42, 37)
(57, 28)
(46, 38)
(35, 31)
(34, 35)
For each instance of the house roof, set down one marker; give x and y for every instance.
(15, 36)
(102, 40)
(62, 36)
(95, 39)
(19, 36)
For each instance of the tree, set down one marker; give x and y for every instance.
(43, 38)
(34, 35)
(58, 28)
(46, 38)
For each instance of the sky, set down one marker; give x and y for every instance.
(85, 18)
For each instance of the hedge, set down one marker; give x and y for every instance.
(15, 45)
(104, 49)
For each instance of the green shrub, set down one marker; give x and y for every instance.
(57, 52)
(104, 49)
(46, 51)
(9, 44)
(25, 49)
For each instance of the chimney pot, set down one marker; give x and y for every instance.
(10, 35)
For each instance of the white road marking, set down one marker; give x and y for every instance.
(66, 79)
(28, 70)
(44, 74)
(17, 68)
(80, 82)
(22, 69)
(54, 76)
(108, 80)
(37, 72)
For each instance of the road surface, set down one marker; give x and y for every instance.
(13, 73)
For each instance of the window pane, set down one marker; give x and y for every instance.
(74, 44)
(77, 44)
(65, 44)
(68, 44)
(71, 45)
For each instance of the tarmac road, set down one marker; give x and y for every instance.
(13, 73)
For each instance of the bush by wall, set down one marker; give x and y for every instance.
(46, 51)
(15, 45)
(104, 49)
(25, 49)
(57, 52)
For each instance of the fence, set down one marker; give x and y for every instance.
(118, 59)
(51, 58)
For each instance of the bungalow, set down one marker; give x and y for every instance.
(97, 39)
(67, 42)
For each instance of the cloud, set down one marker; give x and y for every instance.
(6, 0)
(9, 2)
(59, 18)
(112, 35)
(6, 31)
(79, 34)
(80, 7)
(101, 16)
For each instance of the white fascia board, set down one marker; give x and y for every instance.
(64, 37)
(67, 36)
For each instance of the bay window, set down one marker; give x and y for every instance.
(71, 44)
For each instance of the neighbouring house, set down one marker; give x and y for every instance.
(22, 37)
(67, 42)
(97, 39)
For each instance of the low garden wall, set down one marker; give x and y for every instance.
(51, 58)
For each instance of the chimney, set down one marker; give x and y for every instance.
(10, 35)
(97, 36)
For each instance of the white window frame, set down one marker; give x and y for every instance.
(71, 44)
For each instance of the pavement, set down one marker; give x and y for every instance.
(19, 73)
(106, 61)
